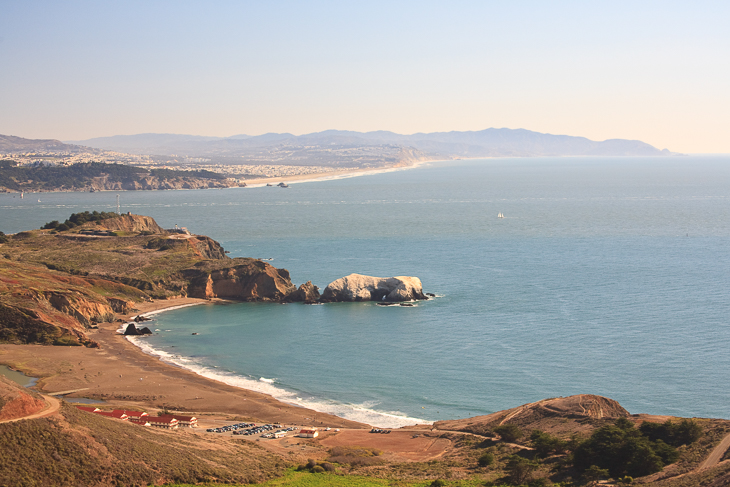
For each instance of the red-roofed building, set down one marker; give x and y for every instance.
(141, 422)
(132, 414)
(308, 434)
(88, 409)
(113, 414)
(162, 421)
(188, 421)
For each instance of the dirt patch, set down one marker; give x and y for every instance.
(397, 446)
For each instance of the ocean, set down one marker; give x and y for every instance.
(606, 276)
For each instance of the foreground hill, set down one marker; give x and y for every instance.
(58, 282)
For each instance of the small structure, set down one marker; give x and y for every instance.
(132, 415)
(141, 422)
(113, 414)
(313, 433)
(185, 421)
(165, 421)
(88, 409)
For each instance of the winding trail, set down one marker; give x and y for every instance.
(52, 406)
(714, 457)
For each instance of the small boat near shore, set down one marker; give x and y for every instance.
(500, 215)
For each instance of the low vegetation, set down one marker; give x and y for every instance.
(87, 450)
(78, 219)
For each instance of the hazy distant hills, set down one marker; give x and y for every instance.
(11, 144)
(485, 143)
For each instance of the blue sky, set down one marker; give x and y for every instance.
(654, 71)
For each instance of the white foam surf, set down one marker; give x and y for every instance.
(364, 413)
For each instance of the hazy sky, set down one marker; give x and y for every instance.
(658, 71)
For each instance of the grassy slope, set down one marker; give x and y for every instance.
(85, 449)
(149, 263)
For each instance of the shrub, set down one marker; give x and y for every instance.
(509, 432)
(317, 469)
(546, 444)
(486, 459)
(438, 483)
(676, 434)
(623, 450)
(520, 469)
(3, 238)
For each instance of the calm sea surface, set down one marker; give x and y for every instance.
(607, 276)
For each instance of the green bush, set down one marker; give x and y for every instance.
(521, 469)
(486, 459)
(546, 444)
(623, 450)
(509, 432)
(685, 432)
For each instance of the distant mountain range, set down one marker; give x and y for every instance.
(12, 144)
(342, 148)
(485, 143)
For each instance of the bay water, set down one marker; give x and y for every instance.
(606, 276)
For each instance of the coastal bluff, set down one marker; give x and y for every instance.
(357, 287)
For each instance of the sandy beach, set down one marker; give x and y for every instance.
(335, 174)
(120, 374)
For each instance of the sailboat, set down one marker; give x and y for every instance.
(500, 215)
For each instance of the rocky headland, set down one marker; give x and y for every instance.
(60, 281)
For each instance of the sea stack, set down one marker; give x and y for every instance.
(357, 287)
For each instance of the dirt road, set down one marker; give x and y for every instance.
(52, 406)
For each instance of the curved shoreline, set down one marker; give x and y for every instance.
(351, 412)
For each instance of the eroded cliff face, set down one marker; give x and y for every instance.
(202, 246)
(38, 305)
(85, 309)
(251, 280)
(155, 183)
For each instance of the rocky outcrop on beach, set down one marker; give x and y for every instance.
(245, 280)
(357, 287)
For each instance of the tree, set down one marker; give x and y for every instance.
(623, 450)
(546, 444)
(520, 469)
(595, 473)
(509, 432)
(486, 459)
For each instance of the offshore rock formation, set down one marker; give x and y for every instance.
(357, 287)
(307, 293)
(250, 280)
